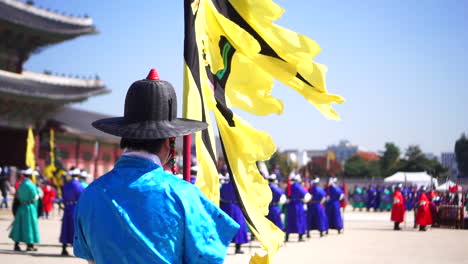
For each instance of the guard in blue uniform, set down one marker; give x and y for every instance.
(296, 220)
(316, 216)
(371, 198)
(278, 199)
(71, 193)
(138, 212)
(230, 205)
(335, 195)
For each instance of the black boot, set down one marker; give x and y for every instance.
(321, 233)
(31, 248)
(238, 249)
(308, 233)
(286, 239)
(339, 231)
(300, 238)
(17, 247)
(422, 228)
(397, 226)
(64, 250)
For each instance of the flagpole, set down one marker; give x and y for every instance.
(187, 144)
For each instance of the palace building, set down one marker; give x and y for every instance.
(41, 100)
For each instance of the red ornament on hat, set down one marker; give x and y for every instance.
(153, 75)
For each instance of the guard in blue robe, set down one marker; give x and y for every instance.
(278, 198)
(335, 221)
(230, 204)
(371, 197)
(138, 212)
(378, 198)
(71, 193)
(296, 220)
(409, 199)
(316, 216)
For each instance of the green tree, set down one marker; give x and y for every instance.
(280, 160)
(357, 167)
(390, 160)
(461, 153)
(415, 161)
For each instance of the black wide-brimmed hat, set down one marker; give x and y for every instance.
(150, 113)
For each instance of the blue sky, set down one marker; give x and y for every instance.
(401, 65)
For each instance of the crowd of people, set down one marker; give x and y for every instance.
(141, 212)
(423, 201)
(34, 196)
(295, 208)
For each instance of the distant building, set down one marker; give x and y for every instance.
(38, 100)
(448, 160)
(430, 156)
(343, 150)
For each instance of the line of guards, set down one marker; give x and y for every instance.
(295, 210)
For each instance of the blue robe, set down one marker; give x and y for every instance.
(71, 193)
(139, 213)
(296, 221)
(230, 205)
(316, 217)
(274, 213)
(371, 198)
(333, 208)
(409, 202)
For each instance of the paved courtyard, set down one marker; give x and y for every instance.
(368, 238)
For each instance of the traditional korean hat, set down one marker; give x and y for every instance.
(296, 178)
(150, 113)
(74, 172)
(84, 174)
(315, 181)
(29, 171)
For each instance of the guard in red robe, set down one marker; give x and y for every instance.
(423, 215)
(398, 208)
(49, 197)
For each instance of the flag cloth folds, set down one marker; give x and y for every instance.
(232, 54)
(51, 168)
(30, 157)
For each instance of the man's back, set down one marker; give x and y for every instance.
(138, 213)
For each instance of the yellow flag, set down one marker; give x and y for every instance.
(30, 158)
(50, 168)
(232, 53)
(331, 155)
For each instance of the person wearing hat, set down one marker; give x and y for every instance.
(25, 227)
(423, 213)
(49, 197)
(278, 198)
(138, 212)
(371, 198)
(296, 220)
(316, 216)
(398, 208)
(71, 193)
(332, 209)
(230, 205)
(84, 178)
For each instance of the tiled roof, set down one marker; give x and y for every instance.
(49, 87)
(78, 121)
(20, 13)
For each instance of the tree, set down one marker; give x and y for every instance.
(461, 154)
(357, 167)
(416, 161)
(280, 160)
(390, 159)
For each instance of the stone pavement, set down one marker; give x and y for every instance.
(368, 238)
